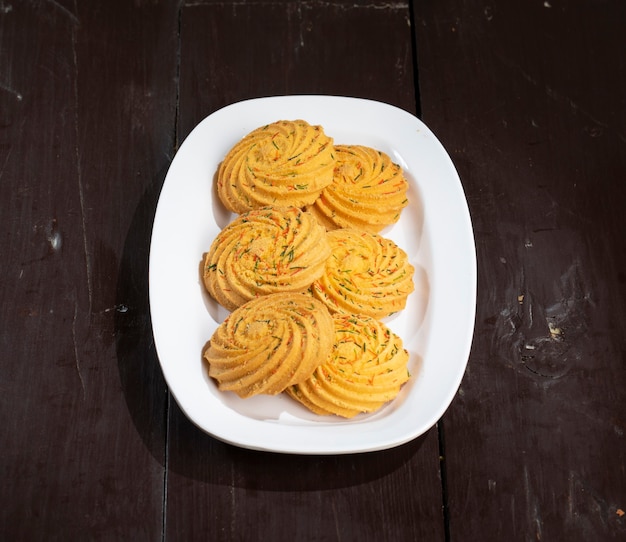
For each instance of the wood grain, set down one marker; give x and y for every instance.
(87, 105)
(530, 106)
(95, 98)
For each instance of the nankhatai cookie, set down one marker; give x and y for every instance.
(365, 274)
(368, 191)
(366, 368)
(269, 344)
(283, 163)
(265, 251)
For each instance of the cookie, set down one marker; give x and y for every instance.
(366, 369)
(265, 251)
(368, 191)
(285, 163)
(365, 274)
(270, 343)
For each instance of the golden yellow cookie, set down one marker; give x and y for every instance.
(283, 163)
(269, 344)
(365, 274)
(368, 191)
(366, 369)
(265, 251)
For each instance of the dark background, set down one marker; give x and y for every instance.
(528, 98)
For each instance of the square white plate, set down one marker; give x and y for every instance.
(436, 326)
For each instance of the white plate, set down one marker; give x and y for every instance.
(435, 231)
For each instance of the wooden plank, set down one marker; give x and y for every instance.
(528, 98)
(226, 493)
(277, 48)
(87, 97)
(216, 491)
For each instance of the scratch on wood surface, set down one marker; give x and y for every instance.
(299, 42)
(533, 515)
(18, 95)
(75, 342)
(513, 514)
(233, 502)
(121, 308)
(558, 97)
(587, 510)
(6, 161)
(66, 12)
(336, 518)
(79, 176)
(570, 495)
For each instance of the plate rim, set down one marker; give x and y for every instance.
(462, 208)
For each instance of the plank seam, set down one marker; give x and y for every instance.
(416, 85)
(444, 481)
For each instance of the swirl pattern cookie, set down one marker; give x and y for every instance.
(269, 344)
(368, 191)
(283, 163)
(365, 274)
(366, 368)
(265, 251)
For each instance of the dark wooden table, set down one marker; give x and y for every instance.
(527, 97)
